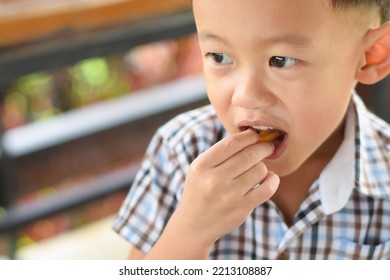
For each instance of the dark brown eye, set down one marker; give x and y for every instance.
(220, 58)
(277, 61)
(282, 61)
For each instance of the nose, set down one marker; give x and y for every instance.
(251, 92)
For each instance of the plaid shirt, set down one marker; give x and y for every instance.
(345, 216)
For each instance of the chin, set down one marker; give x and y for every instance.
(282, 168)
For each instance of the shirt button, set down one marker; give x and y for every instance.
(284, 256)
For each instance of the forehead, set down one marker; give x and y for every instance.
(271, 10)
(268, 18)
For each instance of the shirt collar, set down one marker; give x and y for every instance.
(353, 166)
(373, 146)
(337, 179)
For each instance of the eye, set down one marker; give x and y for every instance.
(220, 58)
(282, 61)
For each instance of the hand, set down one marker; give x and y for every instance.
(219, 191)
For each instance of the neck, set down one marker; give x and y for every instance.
(293, 189)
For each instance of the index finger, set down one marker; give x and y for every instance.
(228, 147)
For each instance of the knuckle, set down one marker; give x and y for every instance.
(231, 143)
(208, 195)
(250, 155)
(212, 189)
(267, 191)
(270, 185)
(261, 169)
(199, 162)
(195, 166)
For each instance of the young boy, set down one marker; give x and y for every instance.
(319, 188)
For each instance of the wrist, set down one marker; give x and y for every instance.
(180, 241)
(187, 234)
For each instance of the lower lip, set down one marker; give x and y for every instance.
(279, 149)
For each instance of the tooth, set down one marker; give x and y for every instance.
(260, 127)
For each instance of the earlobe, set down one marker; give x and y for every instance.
(377, 56)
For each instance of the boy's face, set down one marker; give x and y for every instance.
(289, 65)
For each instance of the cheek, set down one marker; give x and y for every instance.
(219, 94)
(318, 110)
(316, 123)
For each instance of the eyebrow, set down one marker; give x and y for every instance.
(294, 40)
(290, 39)
(206, 36)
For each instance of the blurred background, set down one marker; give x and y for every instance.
(83, 86)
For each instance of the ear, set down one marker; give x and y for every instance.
(376, 65)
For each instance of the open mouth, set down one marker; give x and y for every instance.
(269, 134)
(277, 137)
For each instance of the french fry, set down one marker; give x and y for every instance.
(268, 136)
